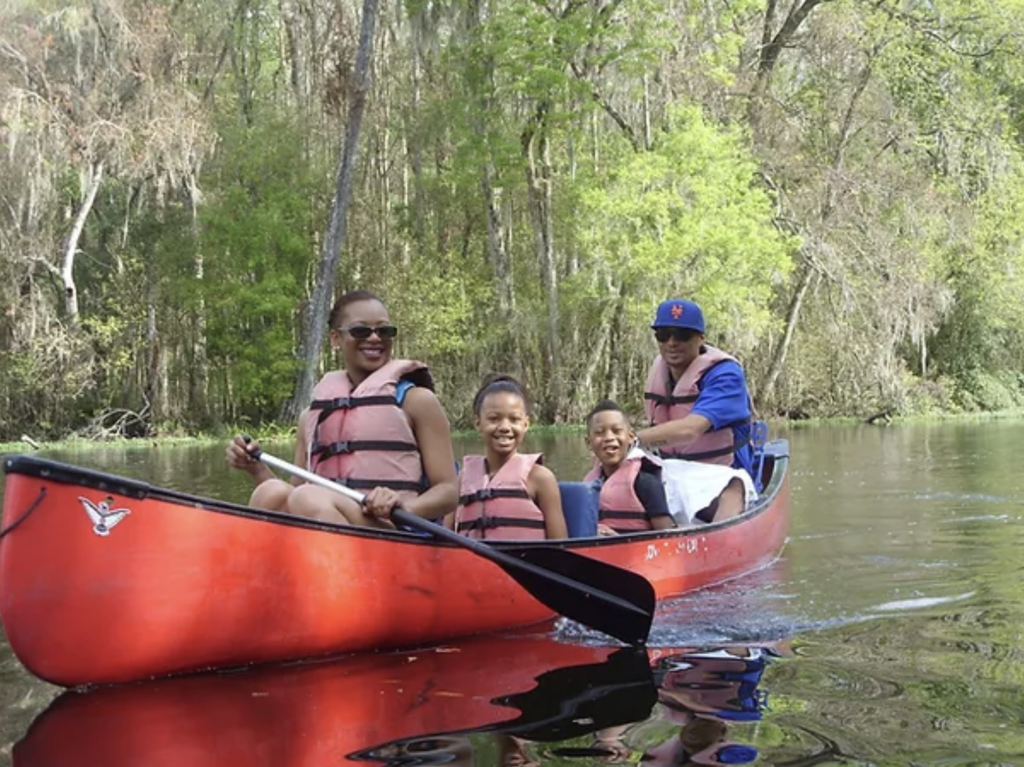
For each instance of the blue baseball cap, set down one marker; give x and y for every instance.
(677, 313)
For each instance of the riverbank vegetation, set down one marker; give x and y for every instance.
(840, 183)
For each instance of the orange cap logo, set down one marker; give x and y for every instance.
(677, 311)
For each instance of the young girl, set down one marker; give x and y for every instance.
(632, 497)
(375, 426)
(505, 494)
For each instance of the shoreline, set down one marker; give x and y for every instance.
(273, 434)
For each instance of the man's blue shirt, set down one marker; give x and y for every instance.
(723, 400)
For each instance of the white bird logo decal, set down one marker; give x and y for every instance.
(103, 519)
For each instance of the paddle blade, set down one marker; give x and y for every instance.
(577, 700)
(604, 597)
(566, 703)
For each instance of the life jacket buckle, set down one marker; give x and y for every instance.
(484, 494)
(335, 448)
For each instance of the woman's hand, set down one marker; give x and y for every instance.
(239, 454)
(380, 502)
(603, 529)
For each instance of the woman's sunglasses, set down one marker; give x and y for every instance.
(680, 334)
(362, 332)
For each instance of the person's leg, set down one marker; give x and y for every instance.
(732, 501)
(327, 506)
(271, 495)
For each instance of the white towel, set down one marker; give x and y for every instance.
(691, 486)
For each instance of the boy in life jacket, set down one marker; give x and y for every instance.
(505, 494)
(375, 426)
(632, 497)
(697, 402)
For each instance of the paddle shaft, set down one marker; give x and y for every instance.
(505, 561)
(399, 515)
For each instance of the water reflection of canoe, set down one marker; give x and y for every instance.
(399, 708)
(319, 713)
(106, 579)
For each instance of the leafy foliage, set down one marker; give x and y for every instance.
(688, 218)
(843, 196)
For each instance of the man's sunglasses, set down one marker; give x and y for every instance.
(680, 334)
(362, 332)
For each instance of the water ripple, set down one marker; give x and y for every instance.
(919, 603)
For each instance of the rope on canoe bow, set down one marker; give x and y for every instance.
(23, 517)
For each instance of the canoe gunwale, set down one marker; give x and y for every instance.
(56, 471)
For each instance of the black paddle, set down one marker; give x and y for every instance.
(566, 703)
(614, 601)
(577, 700)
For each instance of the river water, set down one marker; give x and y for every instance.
(891, 632)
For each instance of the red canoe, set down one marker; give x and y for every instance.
(428, 706)
(305, 715)
(105, 579)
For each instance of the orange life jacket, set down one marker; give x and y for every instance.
(361, 437)
(619, 507)
(500, 506)
(662, 406)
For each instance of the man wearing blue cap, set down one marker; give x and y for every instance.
(699, 408)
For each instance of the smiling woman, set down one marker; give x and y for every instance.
(374, 426)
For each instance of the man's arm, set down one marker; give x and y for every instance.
(722, 400)
(681, 431)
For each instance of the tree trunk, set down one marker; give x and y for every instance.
(764, 397)
(617, 335)
(199, 370)
(497, 254)
(772, 44)
(537, 156)
(67, 267)
(648, 133)
(315, 321)
(293, 35)
(156, 369)
(416, 148)
(807, 268)
(597, 359)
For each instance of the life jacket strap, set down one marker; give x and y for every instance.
(487, 493)
(324, 452)
(489, 523)
(669, 399)
(704, 455)
(394, 484)
(613, 514)
(328, 406)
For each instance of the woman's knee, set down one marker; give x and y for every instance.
(317, 503)
(308, 501)
(271, 495)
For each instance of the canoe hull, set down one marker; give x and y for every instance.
(415, 707)
(182, 583)
(297, 715)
